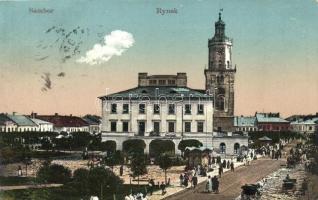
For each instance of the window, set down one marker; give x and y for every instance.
(156, 127)
(142, 108)
(220, 79)
(187, 109)
(125, 126)
(113, 126)
(200, 109)
(222, 147)
(156, 108)
(171, 109)
(170, 127)
(162, 82)
(200, 127)
(153, 82)
(187, 127)
(171, 82)
(113, 108)
(220, 103)
(236, 148)
(125, 108)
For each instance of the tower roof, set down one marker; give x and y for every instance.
(220, 21)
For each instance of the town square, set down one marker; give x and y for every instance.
(149, 100)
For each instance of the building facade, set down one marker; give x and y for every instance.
(65, 123)
(271, 122)
(305, 127)
(171, 112)
(220, 77)
(43, 126)
(245, 124)
(6, 124)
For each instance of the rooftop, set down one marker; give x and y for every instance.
(158, 92)
(63, 121)
(39, 121)
(244, 121)
(4, 119)
(21, 120)
(268, 118)
(92, 119)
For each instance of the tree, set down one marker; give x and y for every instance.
(165, 163)
(103, 181)
(188, 143)
(158, 147)
(134, 146)
(138, 165)
(108, 146)
(80, 181)
(54, 173)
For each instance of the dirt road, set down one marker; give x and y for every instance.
(230, 183)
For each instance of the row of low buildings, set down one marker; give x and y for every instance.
(48, 123)
(306, 124)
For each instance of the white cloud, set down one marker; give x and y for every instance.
(116, 43)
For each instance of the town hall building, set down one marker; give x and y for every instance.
(164, 107)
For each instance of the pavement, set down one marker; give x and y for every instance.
(19, 187)
(230, 182)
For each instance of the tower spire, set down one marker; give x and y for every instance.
(220, 15)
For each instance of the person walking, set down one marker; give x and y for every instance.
(194, 181)
(224, 163)
(181, 178)
(217, 183)
(232, 166)
(151, 184)
(213, 183)
(121, 170)
(228, 164)
(186, 180)
(163, 188)
(208, 186)
(220, 171)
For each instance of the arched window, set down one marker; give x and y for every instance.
(236, 148)
(220, 79)
(220, 103)
(222, 147)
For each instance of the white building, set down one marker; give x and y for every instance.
(43, 126)
(305, 127)
(65, 123)
(22, 122)
(6, 124)
(161, 107)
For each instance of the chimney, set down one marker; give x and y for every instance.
(34, 115)
(142, 79)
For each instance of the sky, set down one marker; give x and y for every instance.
(275, 49)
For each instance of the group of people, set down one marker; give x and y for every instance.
(212, 185)
(138, 196)
(189, 177)
(227, 165)
(162, 186)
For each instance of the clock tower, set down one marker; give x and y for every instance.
(219, 78)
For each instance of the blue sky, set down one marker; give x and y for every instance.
(275, 49)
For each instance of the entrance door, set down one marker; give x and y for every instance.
(141, 128)
(156, 127)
